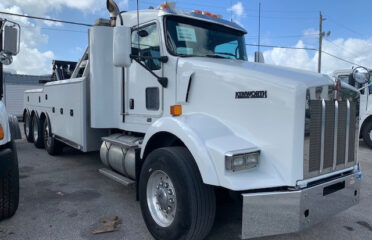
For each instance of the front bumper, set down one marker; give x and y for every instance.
(272, 213)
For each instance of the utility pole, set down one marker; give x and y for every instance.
(321, 35)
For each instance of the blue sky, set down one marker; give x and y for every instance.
(284, 22)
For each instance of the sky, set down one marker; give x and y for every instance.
(293, 23)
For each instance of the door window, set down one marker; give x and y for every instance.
(145, 42)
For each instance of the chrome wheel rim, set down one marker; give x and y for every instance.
(370, 135)
(27, 126)
(36, 132)
(161, 198)
(47, 139)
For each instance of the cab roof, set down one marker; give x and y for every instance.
(130, 18)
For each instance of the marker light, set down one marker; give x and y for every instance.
(207, 14)
(1, 132)
(176, 110)
(164, 6)
(197, 11)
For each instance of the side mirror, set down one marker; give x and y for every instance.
(361, 75)
(122, 46)
(11, 38)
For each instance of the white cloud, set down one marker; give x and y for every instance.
(38, 7)
(51, 23)
(237, 9)
(30, 60)
(358, 51)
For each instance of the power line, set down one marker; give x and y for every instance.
(340, 47)
(286, 47)
(46, 19)
(305, 48)
(55, 29)
(347, 61)
(347, 28)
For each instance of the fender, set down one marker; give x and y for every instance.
(208, 140)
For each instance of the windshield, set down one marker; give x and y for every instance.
(187, 37)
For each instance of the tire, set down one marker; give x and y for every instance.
(27, 127)
(37, 131)
(192, 214)
(367, 134)
(9, 186)
(52, 145)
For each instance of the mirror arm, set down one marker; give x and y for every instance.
(364, 87)
(162, 80)
(162, 59)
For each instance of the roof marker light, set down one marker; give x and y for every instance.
(164, 6)
(197, 11)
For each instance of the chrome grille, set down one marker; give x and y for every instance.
(331, 130)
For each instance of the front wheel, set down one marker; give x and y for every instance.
(367, 134)
(9, 182)
(175, 202)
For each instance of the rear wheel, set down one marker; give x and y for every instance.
(52, 145)
(175, 202)
(367, 134)
(28, 127)
(37, 132)
(9, 183)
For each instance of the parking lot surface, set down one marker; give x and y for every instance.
(64, 197)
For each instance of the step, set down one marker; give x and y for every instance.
(116, 177)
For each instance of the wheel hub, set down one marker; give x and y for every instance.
(161, 198)
(36, 131)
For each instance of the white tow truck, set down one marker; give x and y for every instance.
(9, 129)
(365, 89)
(173, 105)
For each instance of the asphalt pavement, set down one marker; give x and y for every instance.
(64, 197)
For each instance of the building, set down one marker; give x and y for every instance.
(14, 87)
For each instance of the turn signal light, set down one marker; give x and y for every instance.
(1, 132)
(164, 6)
(176, 110)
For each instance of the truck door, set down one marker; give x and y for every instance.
(144, 93)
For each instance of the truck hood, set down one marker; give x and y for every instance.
(270, 113)
(226, 68)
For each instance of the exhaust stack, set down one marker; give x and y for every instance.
(114, 11)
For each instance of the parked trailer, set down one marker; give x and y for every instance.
(171, 102)
(346, 76)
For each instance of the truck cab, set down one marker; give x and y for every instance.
(9, 129)
(365, 89)
(174, 107)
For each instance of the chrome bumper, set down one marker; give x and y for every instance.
(273, 213)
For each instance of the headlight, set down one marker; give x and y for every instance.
(240, 161)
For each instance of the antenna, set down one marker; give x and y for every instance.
(138, 41)
(259, 27)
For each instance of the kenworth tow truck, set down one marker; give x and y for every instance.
(9, 129)
(365, 88)
(173, 105)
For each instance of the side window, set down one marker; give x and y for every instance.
(145, 41)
